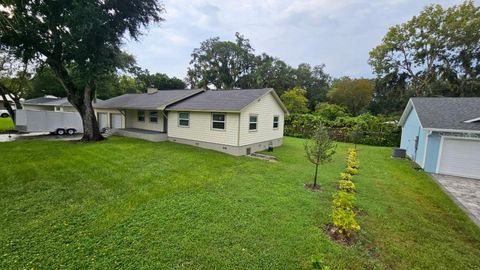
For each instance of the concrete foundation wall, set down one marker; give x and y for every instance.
(153, 137)
(232, 150)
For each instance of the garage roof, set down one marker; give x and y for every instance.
(445, 113)
(48, 101)
(147, 101)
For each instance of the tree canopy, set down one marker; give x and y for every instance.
(295, 100)
(222, 64)
(228, 65)
(355, 95)
(434, 53)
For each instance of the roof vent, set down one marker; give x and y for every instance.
(472, 120)
(152, 90)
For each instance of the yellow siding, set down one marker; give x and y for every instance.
(200, 128)
(265, 108)
(132, 121)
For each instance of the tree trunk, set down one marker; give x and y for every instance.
(81, 99)
(83, 104)
(316, 173)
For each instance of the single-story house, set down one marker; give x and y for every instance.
(442, 135)
(238, 122)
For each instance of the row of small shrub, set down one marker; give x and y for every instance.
(362, 129)
(344, 199)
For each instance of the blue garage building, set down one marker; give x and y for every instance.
(442, 135)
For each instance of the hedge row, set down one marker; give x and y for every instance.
(364, 129)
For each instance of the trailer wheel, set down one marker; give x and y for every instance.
(4, 115)
(71, 131)
(60, 131)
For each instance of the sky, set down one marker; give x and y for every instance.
(337, 33)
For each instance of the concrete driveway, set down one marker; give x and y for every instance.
(464, 191)
(37, 136)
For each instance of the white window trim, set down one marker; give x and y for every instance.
(224, 122)
(150, 118)
(278, 122)
(256, 123)
(188, 119)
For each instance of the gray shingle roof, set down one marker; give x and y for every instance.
(448, 113)
(220, 100)
(48, 101)
(147, 101)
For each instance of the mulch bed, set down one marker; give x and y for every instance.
(312, 187)
(332, 231)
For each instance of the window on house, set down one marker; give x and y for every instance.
(141, 116)
(218, 120)
(275, 121)
(184, 119)
(154, 117)
(252, 124)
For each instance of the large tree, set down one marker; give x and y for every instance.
(221, 64)
(315, 81)
(434, 53)
(271, 72)
(79, 40)
(355, 95)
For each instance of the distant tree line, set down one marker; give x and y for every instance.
(436, 53)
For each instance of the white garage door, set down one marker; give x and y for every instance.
(102, 120)
(460, 157)
(116, 120)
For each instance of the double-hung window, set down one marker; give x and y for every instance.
(154, 117)
(218, 120)
(275, 121)
(184, 119)
(252, 124)
(141, 116)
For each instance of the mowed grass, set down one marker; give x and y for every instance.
(6, 124)
(126, 203)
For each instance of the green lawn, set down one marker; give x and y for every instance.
(126, 203)
(6, 124)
